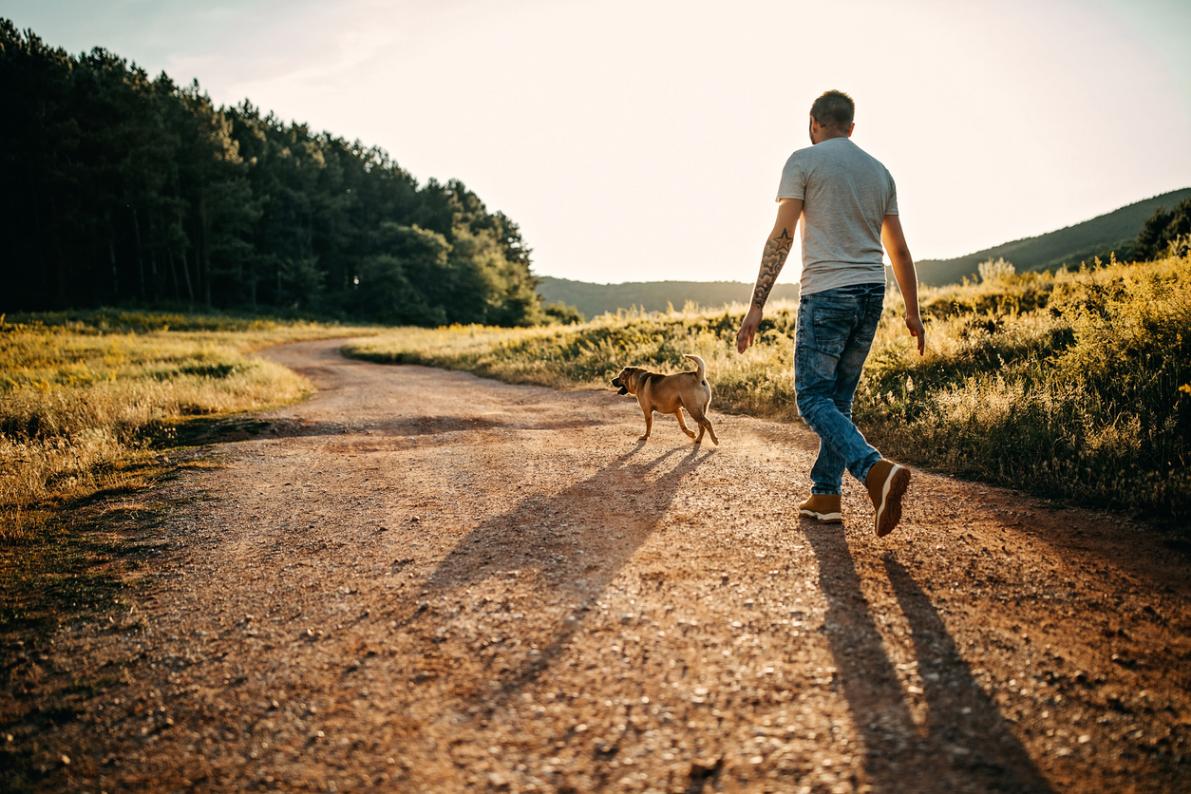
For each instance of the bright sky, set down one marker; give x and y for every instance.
(644, 140)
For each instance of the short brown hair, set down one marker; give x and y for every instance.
(834, 109)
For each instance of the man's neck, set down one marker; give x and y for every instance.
(833, 135)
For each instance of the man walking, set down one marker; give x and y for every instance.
(848, 204)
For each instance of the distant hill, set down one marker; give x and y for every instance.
(593, 299)
(1114, 231)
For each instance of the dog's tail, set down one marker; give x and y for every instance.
(700, 366)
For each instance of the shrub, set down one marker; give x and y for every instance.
(994, 270)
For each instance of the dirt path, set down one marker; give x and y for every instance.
(423, 581)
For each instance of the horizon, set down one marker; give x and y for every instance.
(684, 140)
(917, 260)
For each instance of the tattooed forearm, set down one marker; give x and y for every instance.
(774, 256)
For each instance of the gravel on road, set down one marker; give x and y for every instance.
(421, 580)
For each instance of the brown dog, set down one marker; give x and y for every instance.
(669, 394)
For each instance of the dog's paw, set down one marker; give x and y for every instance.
(642, 438)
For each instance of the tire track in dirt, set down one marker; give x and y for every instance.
(425, 581)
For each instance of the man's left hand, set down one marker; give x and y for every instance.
(914, 324)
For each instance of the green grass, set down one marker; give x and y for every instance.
(1072, 384)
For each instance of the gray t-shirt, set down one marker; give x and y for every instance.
(846, 194)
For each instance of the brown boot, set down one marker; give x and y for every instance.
(824, 507)
(887, 482)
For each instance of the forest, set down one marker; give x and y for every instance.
(122, 189)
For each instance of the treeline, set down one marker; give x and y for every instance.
(1166, 233)
(121, 189)
(652, 296)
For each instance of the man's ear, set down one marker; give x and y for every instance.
(851, 127)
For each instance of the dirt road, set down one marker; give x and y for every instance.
(423, 581)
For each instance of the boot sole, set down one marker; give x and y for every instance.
(890, 511)
(826, 518)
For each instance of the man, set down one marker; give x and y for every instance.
(848, 204)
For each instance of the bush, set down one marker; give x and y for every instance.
(994, 270)
(562, 314)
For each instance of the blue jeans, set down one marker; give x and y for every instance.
(835, 331)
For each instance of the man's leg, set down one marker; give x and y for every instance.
(833, 338)
(828, 472)
(855, 353)
(885, 480)
(827, 475)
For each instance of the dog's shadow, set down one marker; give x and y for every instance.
(572, 544)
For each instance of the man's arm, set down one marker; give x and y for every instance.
(777, 248)
(903, 272)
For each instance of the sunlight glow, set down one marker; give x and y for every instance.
(641, 141)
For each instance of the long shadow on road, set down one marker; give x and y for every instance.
(966, 744)
(574, 543)
(213, 430)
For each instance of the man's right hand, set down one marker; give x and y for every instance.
(748, 329)
(914, 323)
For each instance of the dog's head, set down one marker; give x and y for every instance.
(626, 381)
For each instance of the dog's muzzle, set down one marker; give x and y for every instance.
(623, 389)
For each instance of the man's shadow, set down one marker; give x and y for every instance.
(573, 543)
(965, 744)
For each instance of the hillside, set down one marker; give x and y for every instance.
(1113, 231)
(594, 299)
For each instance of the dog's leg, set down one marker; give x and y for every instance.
(648, 424)
(707, 423)
(698, 415)
(710, 429)
(682, 424)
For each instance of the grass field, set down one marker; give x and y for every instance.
(1075, 384)
(85, 396)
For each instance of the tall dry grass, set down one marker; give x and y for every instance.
(1073, 384)
(83, 397)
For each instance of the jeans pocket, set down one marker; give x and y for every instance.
(829, 326)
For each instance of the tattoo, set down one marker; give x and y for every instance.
(772, 260)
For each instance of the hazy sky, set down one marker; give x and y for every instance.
(644, 140)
